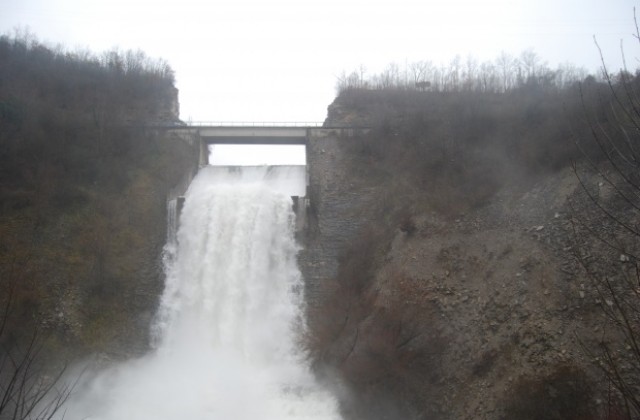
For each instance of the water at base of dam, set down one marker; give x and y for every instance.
(228, 329)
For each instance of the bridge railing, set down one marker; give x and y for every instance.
(253, 124)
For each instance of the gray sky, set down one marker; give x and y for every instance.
(257, 60)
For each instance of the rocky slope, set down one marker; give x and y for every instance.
(458, 298)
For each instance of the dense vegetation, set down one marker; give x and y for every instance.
(82, 192)
(474, 140)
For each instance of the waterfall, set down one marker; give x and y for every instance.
(170, 247)
(172, 220)
(231, 316)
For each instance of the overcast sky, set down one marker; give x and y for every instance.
(258, 60)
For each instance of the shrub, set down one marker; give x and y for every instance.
(563, 394)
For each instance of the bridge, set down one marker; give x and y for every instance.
(265, 134)
(250, 132)
(207, 133)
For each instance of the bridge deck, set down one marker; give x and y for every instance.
(250, 134)
(253, 135)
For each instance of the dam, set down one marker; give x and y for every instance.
(321, 145)
(325, 223)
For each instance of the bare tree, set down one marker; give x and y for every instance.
(454, 73)
(530, 62)
(419, 70)
(488, 78)
(347, 81)
(390, 76)
(501, 75)
(607, 232)
(27, 390)
(362, 70)
(506, 64)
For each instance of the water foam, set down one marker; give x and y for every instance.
(230, 317)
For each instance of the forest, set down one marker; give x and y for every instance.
(83, 190)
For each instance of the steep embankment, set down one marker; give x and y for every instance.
(83, 190)
(445, 283)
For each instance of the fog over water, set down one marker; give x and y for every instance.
(230, 319)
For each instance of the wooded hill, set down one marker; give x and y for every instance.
(83, 187)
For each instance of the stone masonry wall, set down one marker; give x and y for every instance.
(335, 212)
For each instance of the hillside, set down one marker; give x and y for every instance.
(463, 293)
(83, 187)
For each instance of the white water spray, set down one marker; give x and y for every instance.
(230, 317)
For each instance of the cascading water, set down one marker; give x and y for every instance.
(230, 317)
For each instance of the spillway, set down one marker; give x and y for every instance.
(228, 330)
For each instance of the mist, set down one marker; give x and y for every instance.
(227, 334)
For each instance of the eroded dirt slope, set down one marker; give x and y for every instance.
(423, 313)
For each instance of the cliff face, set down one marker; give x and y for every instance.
(444, 285)
(83, 190)
(337, 211)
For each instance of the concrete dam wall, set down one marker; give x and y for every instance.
(328, 216)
